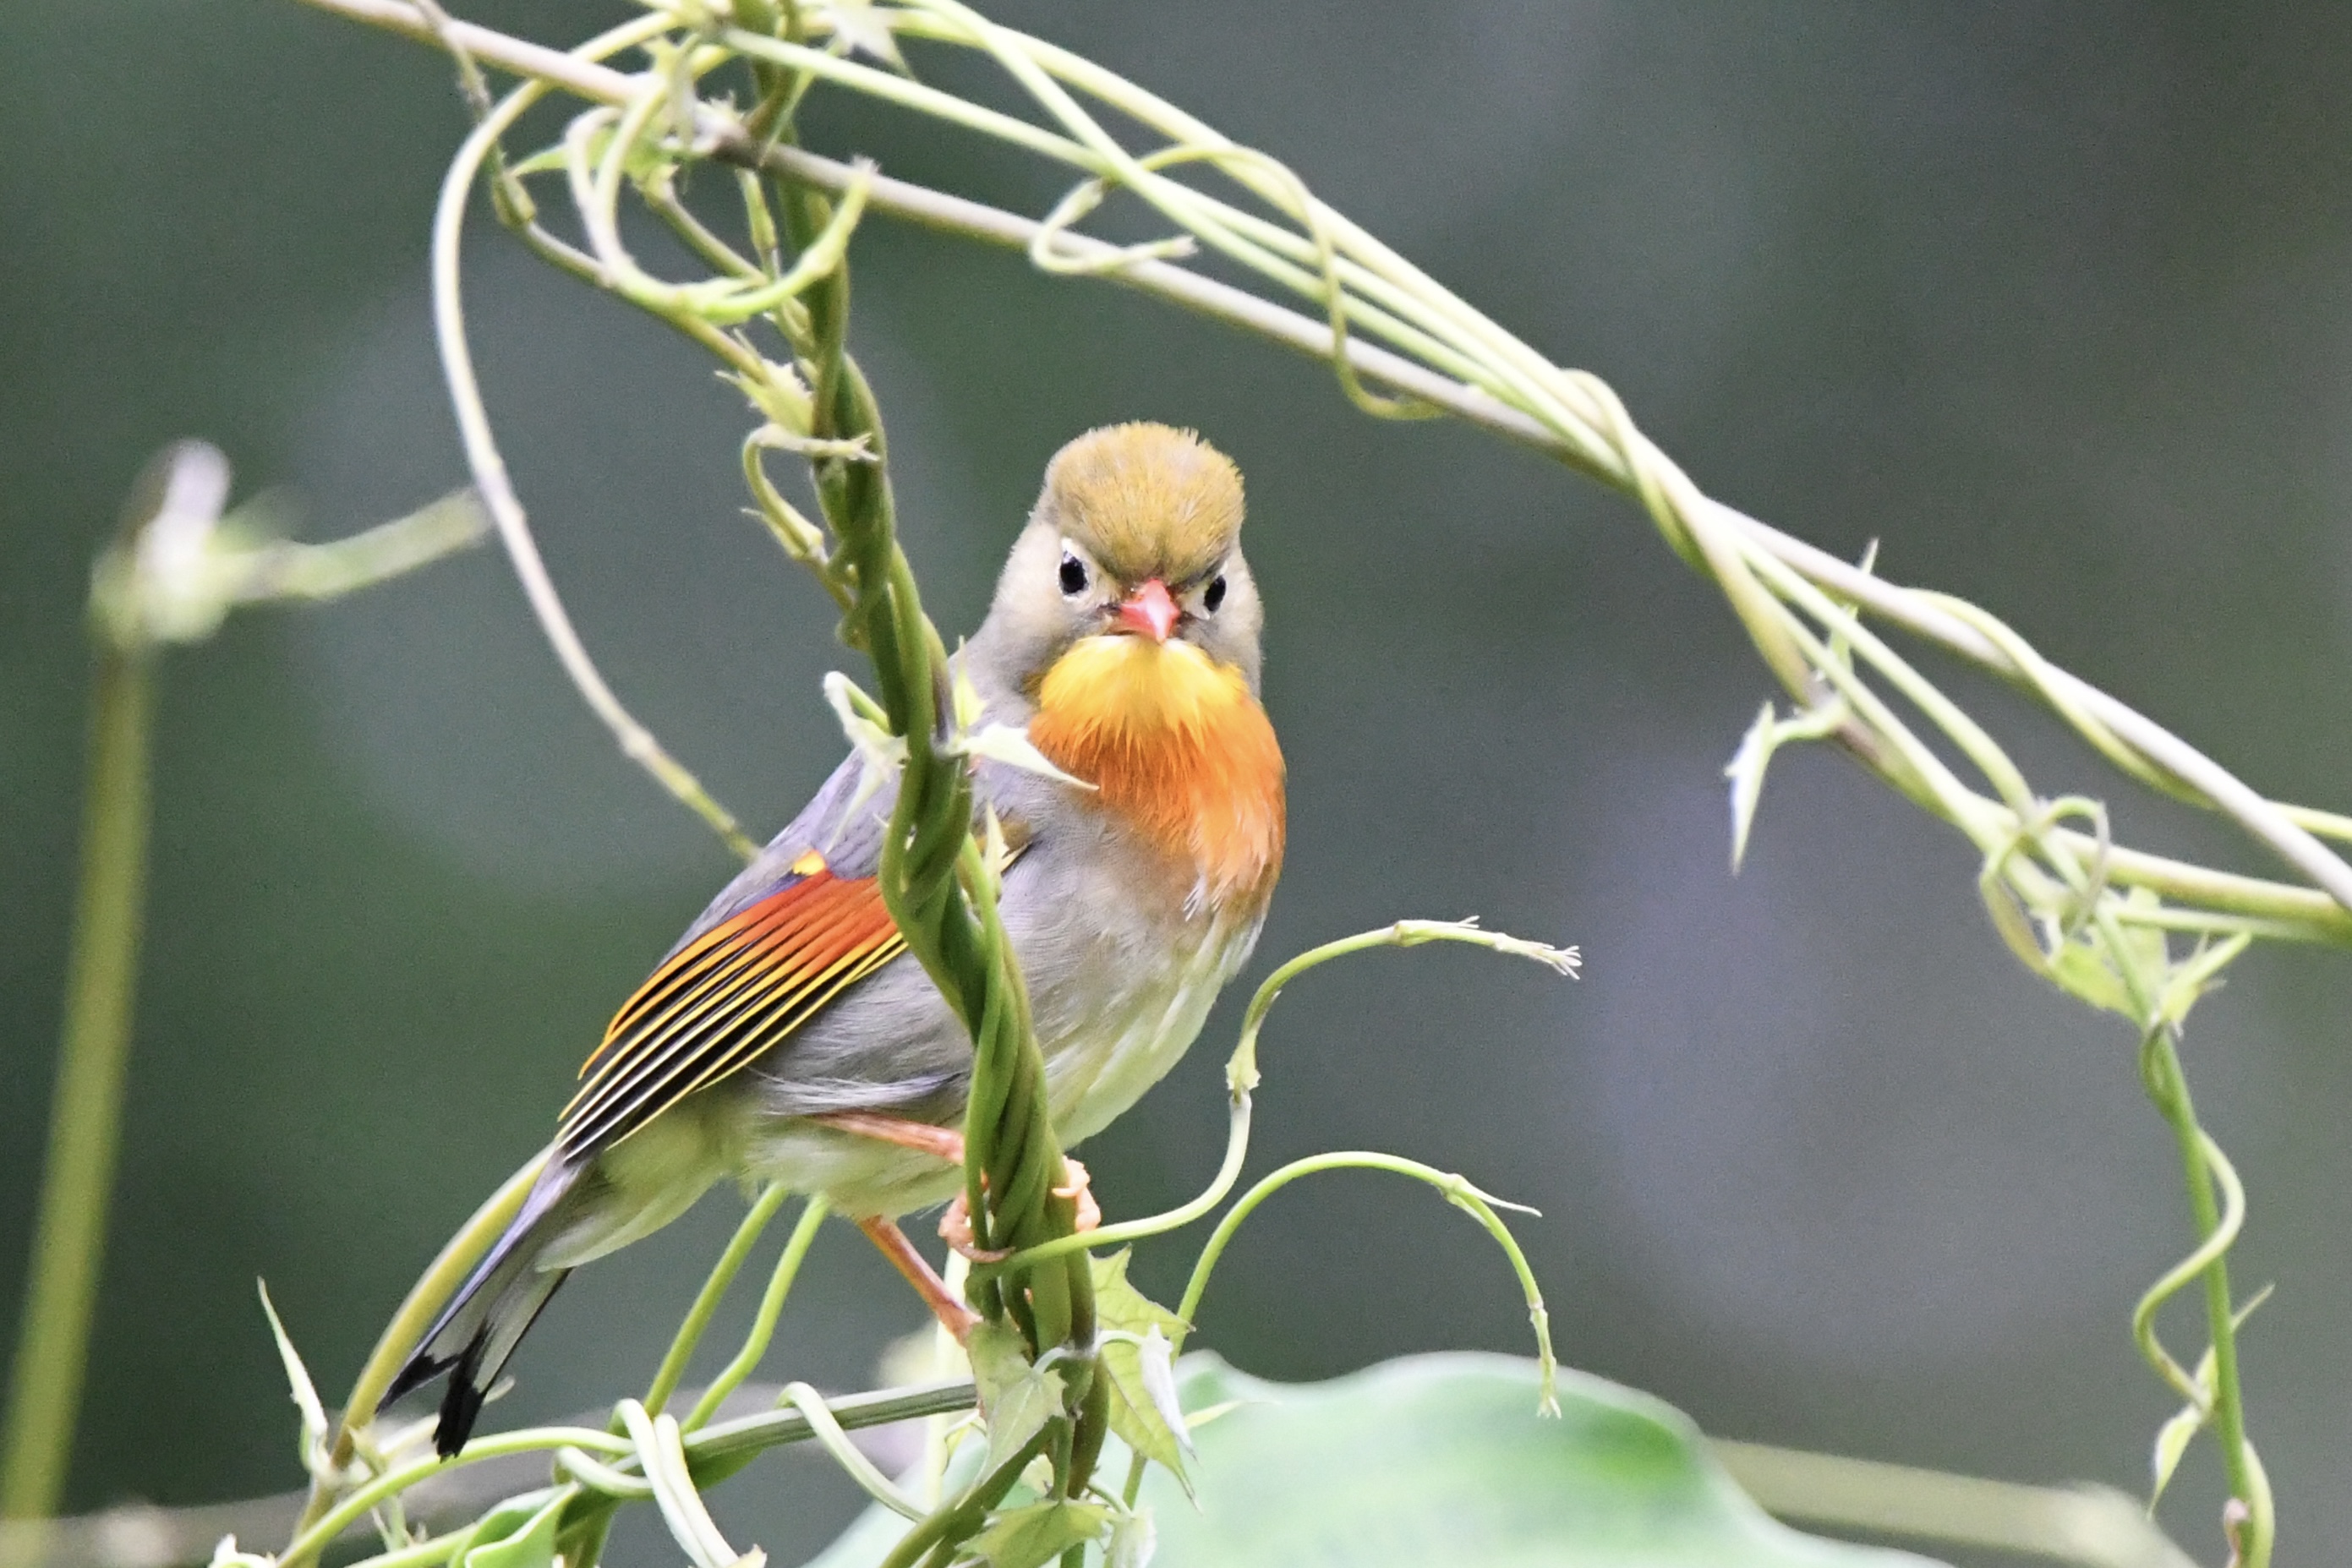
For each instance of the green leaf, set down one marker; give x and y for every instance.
(518, 1533)
(2084, 969)
(1746, 772)
(297, 1378)
(1441, 1460)
(1436, 1461)
(1119, 1305)
(1026, 1537)
(1015, 1398)
(999, 1360)
(2171, 1443)
(1747, 765)
(1138, 1416)
(1020, 1413)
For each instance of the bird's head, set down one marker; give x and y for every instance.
(1128, 625)
(1136, 538)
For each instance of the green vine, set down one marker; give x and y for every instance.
(2092, 917)
(937, 873)
(180, 564)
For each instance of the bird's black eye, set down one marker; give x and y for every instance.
(1073, 573)
(1213, 596)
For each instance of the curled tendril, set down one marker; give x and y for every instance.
(2185, 1272)
(2212, 1394)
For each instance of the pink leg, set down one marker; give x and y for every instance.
(955, 1226)
(921, 1136)
(954, 1316)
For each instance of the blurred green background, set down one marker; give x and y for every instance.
(2051, 301)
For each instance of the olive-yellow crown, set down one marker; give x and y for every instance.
(1147, 500)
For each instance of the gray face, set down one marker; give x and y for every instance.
(1055, 589)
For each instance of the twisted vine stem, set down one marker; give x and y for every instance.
(935, 877)
(938, 880)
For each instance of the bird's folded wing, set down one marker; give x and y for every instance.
(726, 996)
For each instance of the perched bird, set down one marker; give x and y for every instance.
(780, 1040)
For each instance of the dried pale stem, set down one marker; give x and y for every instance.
(830, 1436)
(1500, 401)
(175, 572)
(489, 466)
(2085, 1524)
(722, 1447)
(309, 573)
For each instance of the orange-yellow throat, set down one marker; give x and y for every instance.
(1178, 746)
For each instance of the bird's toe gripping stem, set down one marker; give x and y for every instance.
(955, 1224)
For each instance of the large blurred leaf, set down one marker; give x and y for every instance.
(1440, 1461)
(1443, 1459)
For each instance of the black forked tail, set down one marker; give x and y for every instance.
(479, 1329)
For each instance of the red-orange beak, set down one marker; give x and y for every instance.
(1148, 611)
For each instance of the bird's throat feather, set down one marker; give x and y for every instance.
(1176, 745)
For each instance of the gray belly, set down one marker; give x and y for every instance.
(1120, 977)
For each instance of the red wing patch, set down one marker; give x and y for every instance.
(727, 997)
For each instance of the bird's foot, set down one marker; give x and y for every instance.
(1080, 1189)
(955, 1224)
(955, 1229)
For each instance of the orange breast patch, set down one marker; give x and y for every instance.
(1176, 744)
